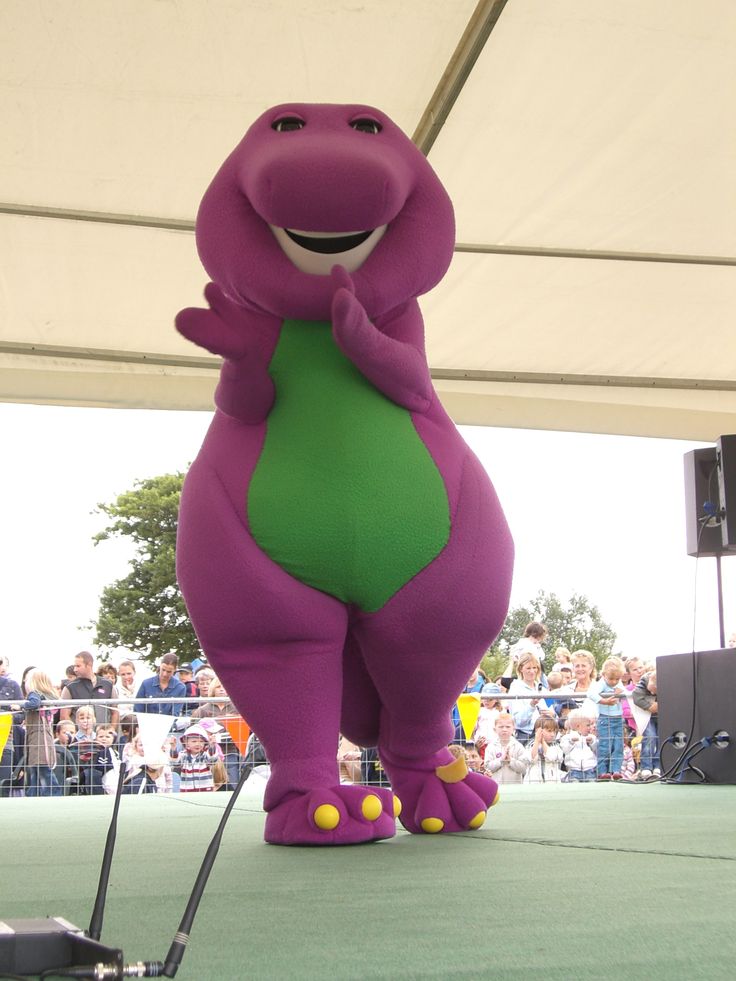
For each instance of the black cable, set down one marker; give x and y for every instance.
(666, 774)
(181, 937)
(95, 923)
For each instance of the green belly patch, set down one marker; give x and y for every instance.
(345, 496)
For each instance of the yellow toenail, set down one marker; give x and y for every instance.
(432, 825)
(496, 799)
(371, 807)
(478, 820)
(397, 806)
(326, 817)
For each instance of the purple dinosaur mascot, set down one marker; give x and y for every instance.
(342, 553)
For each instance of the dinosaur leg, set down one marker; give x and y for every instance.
(420, 649)
(277, 647)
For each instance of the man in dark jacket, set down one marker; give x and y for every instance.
(90, 687)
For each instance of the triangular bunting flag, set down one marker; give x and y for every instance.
(468, 705)
(641, 716)
(153, 729)
(6, 721)
(239, 731)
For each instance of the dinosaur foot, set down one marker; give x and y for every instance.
(439, 793)
(342, 815)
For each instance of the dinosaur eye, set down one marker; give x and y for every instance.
(288, 124)
(366, 125)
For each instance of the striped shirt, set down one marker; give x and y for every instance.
(196, 771)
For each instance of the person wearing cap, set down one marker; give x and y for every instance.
(196, 760)
(490, 709)
(186, 677)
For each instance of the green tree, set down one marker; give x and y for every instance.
(145, 611)
(575, 626)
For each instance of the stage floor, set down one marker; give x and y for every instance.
(586, 881)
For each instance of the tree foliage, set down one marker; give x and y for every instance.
(145, 611)
(575, 626)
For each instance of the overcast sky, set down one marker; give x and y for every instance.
(598, 515)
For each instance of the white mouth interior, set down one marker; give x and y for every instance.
(320, 264)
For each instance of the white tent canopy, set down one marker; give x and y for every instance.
(589, 148)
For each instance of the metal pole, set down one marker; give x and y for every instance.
(720, 601)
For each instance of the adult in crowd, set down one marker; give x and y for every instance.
(162, 685)
(202, 677)
(530, 642)
(127, 687)
(90, 687)
(11, 693)
(526, 711)
(223, 708)
(108, 671)
(584, 674)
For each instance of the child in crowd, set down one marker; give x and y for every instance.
(40, 752)
(543, 754)
(562, 659)
(144, 777)
(490, 709)
(628, 770)
(196, 760)
(564, 710)
(468, 752)
(645, 696)
(504, 755)
(65, 732)
(554, 682)
(578, 746)
(607, 693)
(86, 721)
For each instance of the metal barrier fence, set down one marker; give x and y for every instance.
(43, 756)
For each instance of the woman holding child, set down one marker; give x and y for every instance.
(526, 711)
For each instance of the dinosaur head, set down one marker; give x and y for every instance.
(313, 186)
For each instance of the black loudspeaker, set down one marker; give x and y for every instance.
(696, 694)
(726, 451)
(701, 489)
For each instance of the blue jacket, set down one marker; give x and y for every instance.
(151, 688)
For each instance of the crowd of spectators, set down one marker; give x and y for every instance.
(568, 724)
(572, 724)
(51, 750)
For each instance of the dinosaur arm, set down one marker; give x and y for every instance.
(397, 367)
(245, 390)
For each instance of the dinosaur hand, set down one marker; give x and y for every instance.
(224, 329)
(348, 314)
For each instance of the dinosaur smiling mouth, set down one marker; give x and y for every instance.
(327, 243)
(316, 252)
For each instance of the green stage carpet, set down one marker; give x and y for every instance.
(563, 882)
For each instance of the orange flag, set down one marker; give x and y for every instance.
(468, 705)
(239, 731)
(6, 721)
